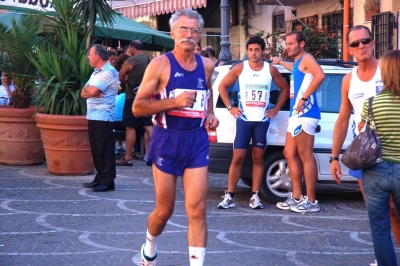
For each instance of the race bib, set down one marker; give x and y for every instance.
(199, 108)
(256, 95)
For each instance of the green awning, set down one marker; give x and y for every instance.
(124, 29)
(127, 30)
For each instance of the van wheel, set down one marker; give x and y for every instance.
(276, 184)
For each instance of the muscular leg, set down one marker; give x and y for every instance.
(130, 141)
(294, 164)
(235, 169)
(305, 144)
(164, 185)
(195, 184)
(258, 168)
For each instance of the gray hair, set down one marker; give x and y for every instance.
(101, 51)
(190, 13)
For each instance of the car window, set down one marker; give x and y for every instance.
(275, 92)
(329, 93)
(233, 95)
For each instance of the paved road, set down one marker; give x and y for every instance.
(52, 220)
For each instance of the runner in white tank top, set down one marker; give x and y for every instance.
(360, 91)
(254, 92)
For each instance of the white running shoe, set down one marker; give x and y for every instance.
(227, 202)
(374, 263)
(146, 260)
(255, 201)
(306, 206)
(288, 203)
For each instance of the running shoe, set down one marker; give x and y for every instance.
(227, 202)
(255, 202)
(289, 203)
(306, 206)
(146, 261)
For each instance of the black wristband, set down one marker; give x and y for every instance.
(304, 99)
(333, 159)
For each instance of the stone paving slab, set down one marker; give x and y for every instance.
(52, 220)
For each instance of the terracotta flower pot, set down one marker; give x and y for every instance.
(20, 142)
(66, 144)
(368, 15)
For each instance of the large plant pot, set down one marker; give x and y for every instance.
(20, 142)
(66, 144)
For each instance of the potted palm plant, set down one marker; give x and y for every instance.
(64, 70)
(20, 142)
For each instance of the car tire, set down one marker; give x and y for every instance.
(276, 184)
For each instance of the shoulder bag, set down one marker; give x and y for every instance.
(365, 150)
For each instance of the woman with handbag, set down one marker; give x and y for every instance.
(383, 180)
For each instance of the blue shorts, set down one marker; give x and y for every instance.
(246, 130)
(172, 151)
(356, 173)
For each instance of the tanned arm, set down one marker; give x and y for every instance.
(340, 128)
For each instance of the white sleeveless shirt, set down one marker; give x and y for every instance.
(359, 91)
(254, 92)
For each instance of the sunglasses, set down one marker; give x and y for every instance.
(363, 41)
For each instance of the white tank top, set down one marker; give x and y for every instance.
(359, 91)
(254, 92)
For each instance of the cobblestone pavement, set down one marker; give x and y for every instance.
(52, 220)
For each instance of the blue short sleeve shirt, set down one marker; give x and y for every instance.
(106, 80)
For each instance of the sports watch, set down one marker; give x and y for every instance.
(333, 159)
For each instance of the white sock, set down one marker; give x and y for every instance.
(150, 248)
(196, 256)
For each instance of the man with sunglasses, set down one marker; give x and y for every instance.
(306, 77)
(176, 88)
(361, 83)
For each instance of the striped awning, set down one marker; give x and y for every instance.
(139, 8)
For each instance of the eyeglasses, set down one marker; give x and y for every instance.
(364, 41)
(185, 30)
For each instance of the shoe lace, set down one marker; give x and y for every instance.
(305, 202)
(227, 197)
(289, 199)
(255, 198)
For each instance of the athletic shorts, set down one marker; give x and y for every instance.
(246, 130)
(172, 151)
(129, 120)
(297, 124)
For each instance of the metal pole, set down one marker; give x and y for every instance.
(225, 53)
(346, 23)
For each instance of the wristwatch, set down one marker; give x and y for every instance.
(229, 107)
(333, 159)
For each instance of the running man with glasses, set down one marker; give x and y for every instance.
(176, 88)
(361, 83)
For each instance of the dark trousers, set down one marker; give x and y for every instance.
(102, 146)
